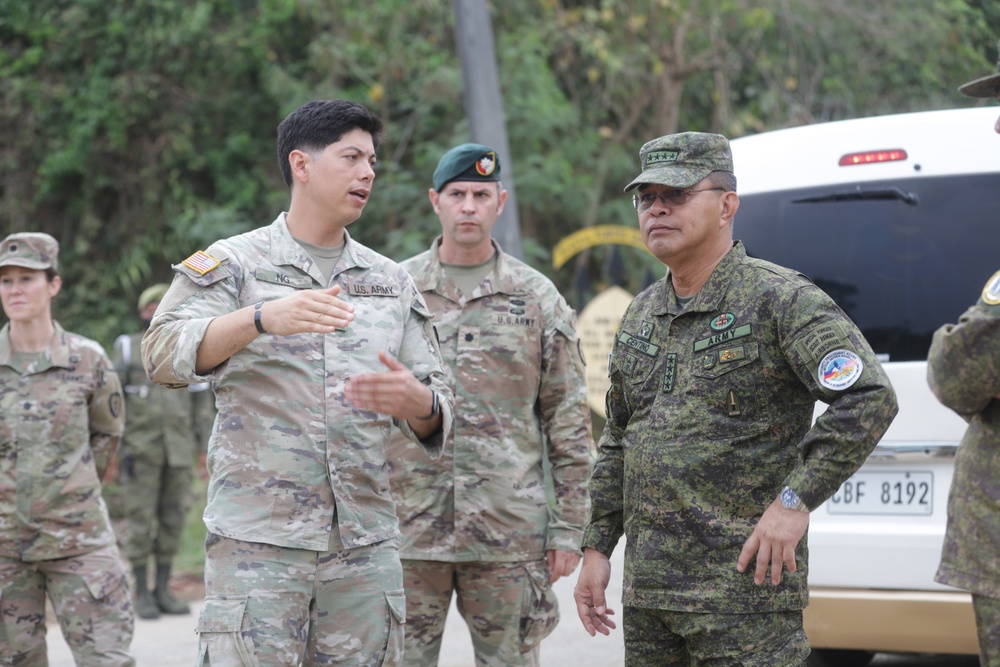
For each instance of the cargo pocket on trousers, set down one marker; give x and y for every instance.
(220, 637)
(539, 607)
(103, 583)
(393, 654)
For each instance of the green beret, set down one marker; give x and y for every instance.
(151, 294)
(468, 162)
(681, 160)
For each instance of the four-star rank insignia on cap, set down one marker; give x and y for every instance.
(486, 164)
(201, 262)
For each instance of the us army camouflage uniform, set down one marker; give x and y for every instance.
(963, 370)
(60, 423)
(512, 355)
(709, 415)
(299, 484)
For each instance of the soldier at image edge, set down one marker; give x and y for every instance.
(476, 521)
(166, 431)
(709, 460)
(317, 348)
(61, 418)
(963, 371)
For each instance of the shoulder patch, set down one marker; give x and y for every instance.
(840, 369)
(991, 292)
(201, 262)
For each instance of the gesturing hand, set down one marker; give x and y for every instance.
(307, 311)
(396, 392)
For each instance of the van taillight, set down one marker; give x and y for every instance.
(870, 157)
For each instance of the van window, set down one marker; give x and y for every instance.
(900, 257)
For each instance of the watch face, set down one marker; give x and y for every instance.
(788, 498)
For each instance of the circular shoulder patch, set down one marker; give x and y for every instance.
(840, 369)
(991, 293)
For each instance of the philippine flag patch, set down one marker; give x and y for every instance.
(840, 369)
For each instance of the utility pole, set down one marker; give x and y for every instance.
(484, 107)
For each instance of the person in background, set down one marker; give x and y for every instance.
(710, 460)
(166, 430)
(476, 521)
(963, 371)
(317, 348)
(61, 417)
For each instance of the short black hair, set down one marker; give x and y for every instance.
(723, 179)
(317, 124)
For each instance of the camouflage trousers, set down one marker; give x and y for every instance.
(274, 606)
(157, 500)
(509, 608)
(988, 625)
(658, 637)
(90, 596)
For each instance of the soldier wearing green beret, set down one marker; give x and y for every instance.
(476, 521)
(963, 370)
(166, 430)
(61, 417)
(709, 462)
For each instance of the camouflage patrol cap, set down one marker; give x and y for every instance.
(681, 160)
(152, 293)
(985, 87)
(467, 162)
(32, 250)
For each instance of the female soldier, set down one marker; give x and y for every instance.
(61, 418)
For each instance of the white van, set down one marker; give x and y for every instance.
(898, 219)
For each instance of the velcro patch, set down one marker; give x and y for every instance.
(201, 262)
(840, 369)
(372, 289)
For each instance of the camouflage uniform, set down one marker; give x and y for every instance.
(513, 359)
(963, 370)
(165, 431)
(60, 423)
(709, 416)
(292, 463)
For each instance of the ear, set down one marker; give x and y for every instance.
(299, 161)
(433, 195)
(502, 201)
(730, 203)
(54, 286)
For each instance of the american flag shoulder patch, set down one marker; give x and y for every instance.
(201, 262)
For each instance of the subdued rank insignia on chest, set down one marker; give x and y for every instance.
(669, 372)
(733, 404)
(201, 262)
(991, 292)
(629, 366)
(645, 330)
(372, 289)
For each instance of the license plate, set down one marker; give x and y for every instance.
(885, 492)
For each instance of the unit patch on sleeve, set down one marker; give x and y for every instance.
(840, 369)
(991, 292)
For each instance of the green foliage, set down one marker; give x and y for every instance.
(138, 131)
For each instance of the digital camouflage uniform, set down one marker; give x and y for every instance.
(513, 360)
(299, 483)
(166, 429)
(709, 416)
(60, 423)
(963, 370)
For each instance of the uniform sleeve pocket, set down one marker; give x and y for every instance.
(220, 634)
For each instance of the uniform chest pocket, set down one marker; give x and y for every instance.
(727, 384)
(636, 366)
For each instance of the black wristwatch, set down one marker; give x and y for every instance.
(435, 407)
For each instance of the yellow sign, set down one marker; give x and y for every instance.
(597, 325)
(597, 235)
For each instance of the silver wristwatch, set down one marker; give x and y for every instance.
(791, 501)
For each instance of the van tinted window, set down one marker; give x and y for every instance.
(900, 269)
